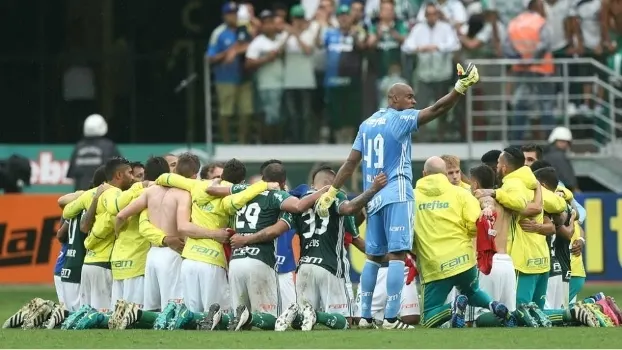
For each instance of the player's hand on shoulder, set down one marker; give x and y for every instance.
(379, 181)
(273, 186)
(481, 193)
(577, 247)
(237, 241)
(175, 243)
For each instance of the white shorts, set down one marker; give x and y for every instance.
(254, 284)
(71, 293)
(287, 288)
(557, 293)
(58, 285)
(204, 284)
(162, 278)
(323, 290)
(96, 287)
(130, 290)
(353, 304)
(500, 285)
(409, 303)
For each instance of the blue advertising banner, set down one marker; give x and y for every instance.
(603, 236)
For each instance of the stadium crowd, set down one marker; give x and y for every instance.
(311, 72)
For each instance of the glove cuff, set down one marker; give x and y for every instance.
(333, 191)
(460, 87)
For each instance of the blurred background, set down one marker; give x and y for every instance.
(292, 80)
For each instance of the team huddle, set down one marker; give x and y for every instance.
(501, 248)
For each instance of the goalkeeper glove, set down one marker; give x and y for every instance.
(466, 78)
(325, 201)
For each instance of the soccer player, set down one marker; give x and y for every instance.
(383, 143)
(490, 158)
(445, 218)
(138, 171)
(171, 159)
(96, 279)
(324, 269)
(454, 174)
(496, 269)
(211, 171)
(252, 275)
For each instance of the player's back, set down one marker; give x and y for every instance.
(162, 208)
(384, 141)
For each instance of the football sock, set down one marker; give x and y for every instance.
(332, 321)
(435, 317)
(395, 284)
(479, 298)
(369, 275)
(559, 316)
(488, 319)
(263, 321)
(105, 319)
(146, 319)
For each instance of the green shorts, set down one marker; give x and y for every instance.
(344, 105)
(531, 287)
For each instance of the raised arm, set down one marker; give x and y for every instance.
(134, 208)
(552, 203)
(511, 196)
(68, 198)
(178, 181)
(295, 206)
(75, 207)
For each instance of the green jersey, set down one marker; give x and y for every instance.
(322, 239)
(74, 258)
(261, 212)
(560, 254)
(388, 50)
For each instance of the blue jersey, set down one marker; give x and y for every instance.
(384, 141)
(60, 261)
(221, 40)
(344, 61)
(285, 261)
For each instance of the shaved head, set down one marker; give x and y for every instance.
(434, 165)
(401, 96)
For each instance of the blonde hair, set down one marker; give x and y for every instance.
(451, 161)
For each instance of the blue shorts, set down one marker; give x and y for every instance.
(390, 229)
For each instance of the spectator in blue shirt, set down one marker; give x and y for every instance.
(226, 50)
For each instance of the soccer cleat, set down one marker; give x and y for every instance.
(17, 320)
(284, 321)
(540, 317)
(364, 324)
(165, 316)
(71, 321)
(91, 320)
(604, 306)
(615, 308)
(458, 311)
(117, 315)
(501, 311)
(212, 319)
(398, 324)
(241, 320)
(309, 318)
(181, 318)
(603, 320)
(130, 316)
(523, 316)
(580, 313)
(37, 317)
(56, 318)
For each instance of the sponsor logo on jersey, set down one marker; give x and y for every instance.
(310, 260)
(433, 205)
(455, 262)
(27, 245)
(122, 264)
(396, 228)
(280, 259)
(65, 273)
(205, 251)
(538, 262)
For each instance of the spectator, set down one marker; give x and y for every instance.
(299, 76)
(504, 10)
(211, 171)
(452, 11)
(233, 90)
(559, 144)
(405, 10)
(593, 42)
(386, 36)
(357, 8)
(138, 171)
(529, 38)
(344, 61)
(280, 10)
(560, 23)
(90, 152)
(434, 43)
(484, 41)
(265, 55)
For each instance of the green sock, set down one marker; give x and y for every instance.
(558, 316)
(223, 325)
(263, 321)
(104, 322)
(146, 319)
(332, 321)
(488, 319)
(436, 317)
(297, 323)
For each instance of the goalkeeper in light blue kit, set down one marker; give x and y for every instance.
(383, 143)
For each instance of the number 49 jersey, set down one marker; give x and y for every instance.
(261, 212)
(384, 141)
(322, 239)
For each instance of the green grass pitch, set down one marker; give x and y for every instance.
(11, 298)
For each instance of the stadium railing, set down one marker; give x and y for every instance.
(490, 107)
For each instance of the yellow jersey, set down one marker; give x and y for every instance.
(83, 202)
(445, 225)
(529, 251)
(100, 241)
(210, 212)
(552, 203)
(465, 185)
(129, 254)
(577, 269)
